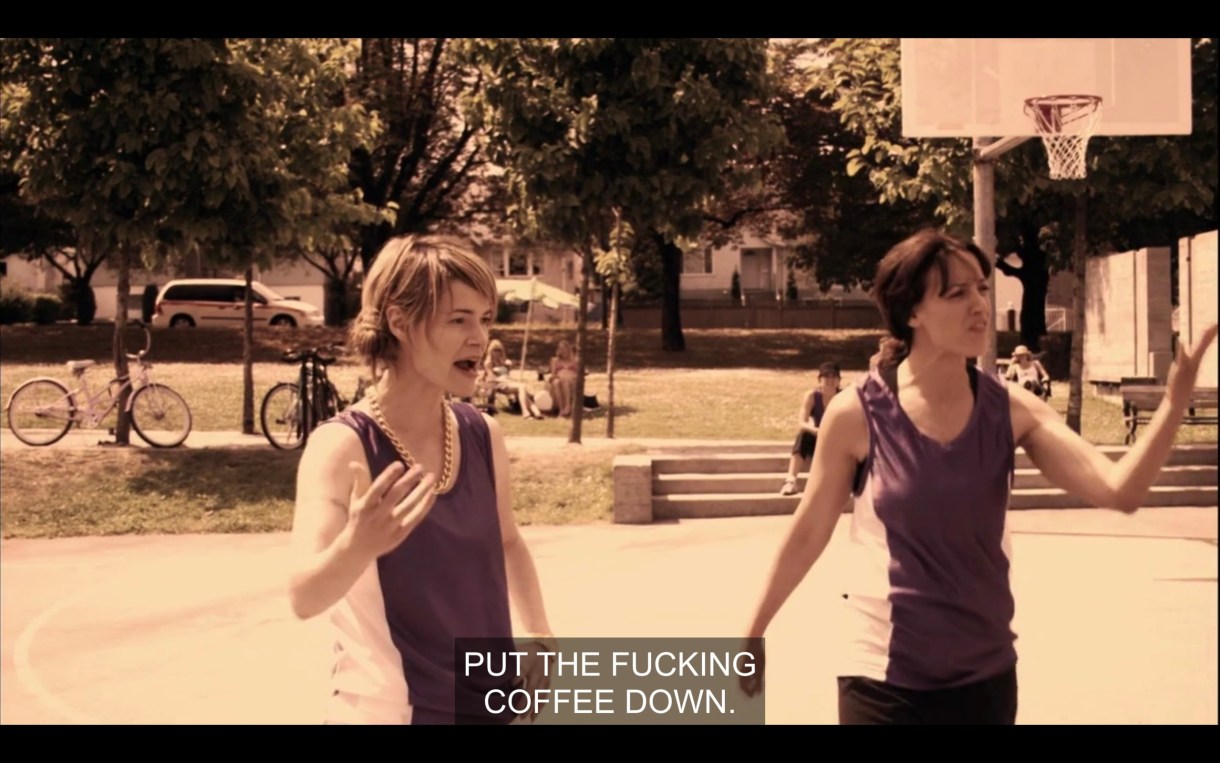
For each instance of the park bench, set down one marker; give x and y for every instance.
(1140, 402)
(1111, 387)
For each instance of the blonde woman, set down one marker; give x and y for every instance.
(494, 380)
(403, 534)
(562, 378)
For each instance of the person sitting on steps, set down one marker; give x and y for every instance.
(810, 418)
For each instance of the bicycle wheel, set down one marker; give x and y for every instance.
(281, 416)
(41, 411)
(160, 416)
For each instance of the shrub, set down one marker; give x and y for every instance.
(46, 309)
(16, 306)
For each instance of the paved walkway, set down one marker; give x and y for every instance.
(1117, 618)
(1116, 615)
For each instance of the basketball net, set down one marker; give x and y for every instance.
(1065, 123)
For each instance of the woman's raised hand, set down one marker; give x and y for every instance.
(381, 515)
(1185, 371)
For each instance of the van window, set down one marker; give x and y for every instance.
(239, 295)
(200, 293)
(267, 293)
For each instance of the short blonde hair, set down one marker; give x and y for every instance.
(412, 272)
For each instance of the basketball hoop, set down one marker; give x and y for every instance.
(1065, 122)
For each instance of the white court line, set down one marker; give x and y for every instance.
(28, 677)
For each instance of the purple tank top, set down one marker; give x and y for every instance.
(933, 517)
(818, 409)
(447, 579)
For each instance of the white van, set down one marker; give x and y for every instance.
(221, 302)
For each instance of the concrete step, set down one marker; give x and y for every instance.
(1160, 496)
(1170, 476)
(772, 461)
(764, 482)
(712, 505)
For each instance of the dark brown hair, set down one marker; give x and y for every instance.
(902, 282)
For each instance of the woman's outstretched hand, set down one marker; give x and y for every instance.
(1185, 371)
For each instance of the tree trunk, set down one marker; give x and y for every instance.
(122, 429)
(1079, 267)
(613, 325)
(247, 359)
(85, 301)
(1034, 276)
(335, 302)
(606, 290)
(671, 307)
(582, 346)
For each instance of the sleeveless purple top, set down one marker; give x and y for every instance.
(932, 606)
(447, 579)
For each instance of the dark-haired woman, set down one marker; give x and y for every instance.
(926, 447)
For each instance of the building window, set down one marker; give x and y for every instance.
(698, 261)
(495, 261)
(518, 261)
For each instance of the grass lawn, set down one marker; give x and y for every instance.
(729, 385)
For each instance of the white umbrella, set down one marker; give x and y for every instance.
(518, 291)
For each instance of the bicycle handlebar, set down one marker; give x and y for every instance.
(139, 356)
(312, 353)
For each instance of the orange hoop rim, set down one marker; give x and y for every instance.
(1063, 100)
(1052, 113)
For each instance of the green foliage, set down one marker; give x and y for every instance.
(1140, 190)
(18, 305)
(791, 293)
(46, 309)
(161, 144)
(735, 288)
(427, 168)
(645, 126)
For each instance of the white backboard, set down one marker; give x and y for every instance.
(976, 87)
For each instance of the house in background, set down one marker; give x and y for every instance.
(706, 279)
(762, 267)
(555, 266)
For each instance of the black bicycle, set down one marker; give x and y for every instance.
(288, 415)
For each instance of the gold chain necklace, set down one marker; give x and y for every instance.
(442, 485)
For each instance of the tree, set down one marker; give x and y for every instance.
(27, 232)
(148, 147)
(664, 126)
(325, 127)
(101, 135)
(614, 266)
(427, 167)
(1034, 275)
(284, 135)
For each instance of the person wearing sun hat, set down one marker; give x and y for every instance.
(1028, 372)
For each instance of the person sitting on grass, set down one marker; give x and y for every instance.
(494, 380)
(561, 381)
